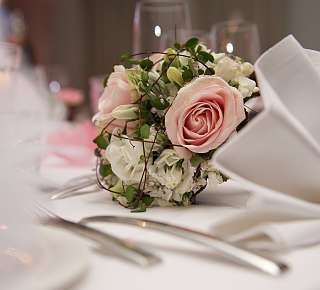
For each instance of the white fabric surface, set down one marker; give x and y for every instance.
(185, 266)
(279, 164)
(277, 155)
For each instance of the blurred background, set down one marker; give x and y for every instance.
(75, 42)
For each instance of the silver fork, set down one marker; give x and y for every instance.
(120, 247)
(228, 250)
(71, 190)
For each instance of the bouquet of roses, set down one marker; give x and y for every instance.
(161, 119)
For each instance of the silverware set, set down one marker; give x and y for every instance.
(132, 252)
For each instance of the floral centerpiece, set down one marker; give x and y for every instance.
(161, 119)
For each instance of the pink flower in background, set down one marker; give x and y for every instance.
(203, 115)
(117, 92)
(70, 96)
(72, 144)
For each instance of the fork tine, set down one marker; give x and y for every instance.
(119, 246)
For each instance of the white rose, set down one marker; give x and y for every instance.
(227, 69)
(186, 182)
(125, 112)
(125, 157)
(218, 56)
(246, 86)
(247, 69)
(166, 169)
(214, 179)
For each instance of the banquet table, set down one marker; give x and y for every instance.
(184, 265)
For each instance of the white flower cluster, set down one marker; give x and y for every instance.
(169, 177)
(232, 70)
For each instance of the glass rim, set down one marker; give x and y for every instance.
(161, 3)
(232, 24)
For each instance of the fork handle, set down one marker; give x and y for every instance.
(228, 250)
(118, 246)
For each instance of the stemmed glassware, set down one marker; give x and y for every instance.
(156, 24)
(236, 37)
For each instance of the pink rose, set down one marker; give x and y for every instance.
(203, 115)
(117, 92)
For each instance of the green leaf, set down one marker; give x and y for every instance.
(157, 103)
(105, 170)
(146, 64)
(140, 208)
(125, 56)
(144, 131)
(128, 59)
(196, 160)
(200, 71)
(147, 200)
(233, 83)
(192, 43)
(130, 193)
(101, 141)
(144, 76)
(205, 56)
(209, 71)
(187, 75)
(162, 138)
(177, 46)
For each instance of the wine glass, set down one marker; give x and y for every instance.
(154, 20)
(239, 38)
(182, 35)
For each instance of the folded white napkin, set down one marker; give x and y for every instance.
(277, 156)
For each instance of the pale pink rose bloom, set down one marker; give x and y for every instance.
(203, 115)
(117, 92)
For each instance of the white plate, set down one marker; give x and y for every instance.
(53, 262)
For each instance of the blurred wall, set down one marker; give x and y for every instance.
(87, 36)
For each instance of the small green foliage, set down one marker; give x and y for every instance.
(158, 103)
(187, 75)
(101, 142)
(143, 203)
(162, 138)
(130, 193)
(128, 59)
(200, 71)
(144, 76)
(205, 56)
(186, 198)
(192, 43)
(146, 64)
(209, 71)
(233, 83)
(177, 45)
(147, 200)
(196, 159)
(140, 208)
(144, 131)
(179, 163)
(105, 169)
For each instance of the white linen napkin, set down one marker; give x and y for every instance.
(277, 156)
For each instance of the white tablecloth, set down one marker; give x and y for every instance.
(185, 266)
